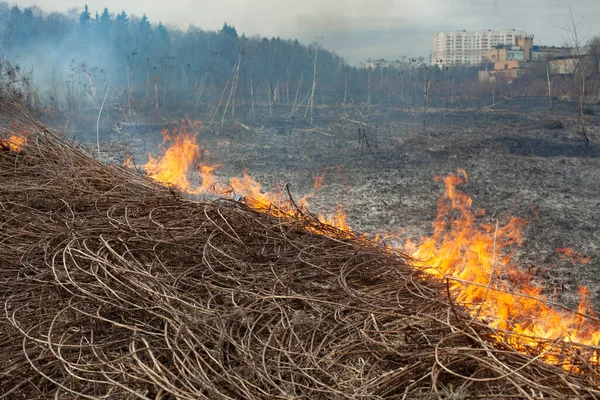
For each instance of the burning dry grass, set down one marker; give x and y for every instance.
(114, 286)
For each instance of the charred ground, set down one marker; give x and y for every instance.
(516, 167)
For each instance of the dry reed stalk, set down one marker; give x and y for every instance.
(114, 286)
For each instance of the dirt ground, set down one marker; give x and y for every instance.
(515, 166)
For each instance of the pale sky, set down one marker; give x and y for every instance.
(358, 29)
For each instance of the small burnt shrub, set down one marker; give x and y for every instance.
(552, 124)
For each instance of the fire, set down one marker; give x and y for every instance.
(180, 158)
(337, 220)
(128, 161)
(475, 257)
(174, 165)
(572, 255)
(278, 204)
(319, 181)
(14, 143)
(273, 202)
(208, 179)
(17, 141)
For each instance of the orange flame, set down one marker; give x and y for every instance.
(276, 202)
(337, 220)
(179, 159)
(209, 183)
(17, 141)
(319, 181)
(572, 255)
(273, 202)
(474, 256)
(183, 152)
(128, 163)
(174, 165)
(14, 143)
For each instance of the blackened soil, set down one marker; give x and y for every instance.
(516, 168)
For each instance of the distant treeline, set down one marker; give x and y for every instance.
(72, 59)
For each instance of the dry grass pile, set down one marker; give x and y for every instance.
(116, 287)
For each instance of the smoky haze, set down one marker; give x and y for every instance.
(358, 30)
(153, 57)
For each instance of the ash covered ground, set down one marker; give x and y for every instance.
(516, 168)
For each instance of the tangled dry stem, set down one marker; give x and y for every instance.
(114, 286)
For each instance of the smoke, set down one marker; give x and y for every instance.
(357, 29)
(54, 64)
(56, 52)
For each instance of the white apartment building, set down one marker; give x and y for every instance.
(469, 47)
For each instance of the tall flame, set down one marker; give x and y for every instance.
(475, 257)
(173, 167)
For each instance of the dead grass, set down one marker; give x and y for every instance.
(114, 286)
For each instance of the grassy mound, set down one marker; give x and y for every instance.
(114, 286)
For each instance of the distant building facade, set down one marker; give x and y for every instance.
(507, 70)
(547, 52)
(521, 51)
(469, 48)
(383, 64)
(508, 62)
(567, 65)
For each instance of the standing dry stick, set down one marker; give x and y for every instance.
(236, 74)
(98, 121)
(316, 46)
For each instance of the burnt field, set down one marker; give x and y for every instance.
(115, 285)
(384, 178)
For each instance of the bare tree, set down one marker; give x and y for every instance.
(446, 96)
(369, 85)
(428, 69)
(316, 47)
(231, 99)
(345, 90)
(575, 41)
(411, 79)
(547, 65)
(401, 79)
